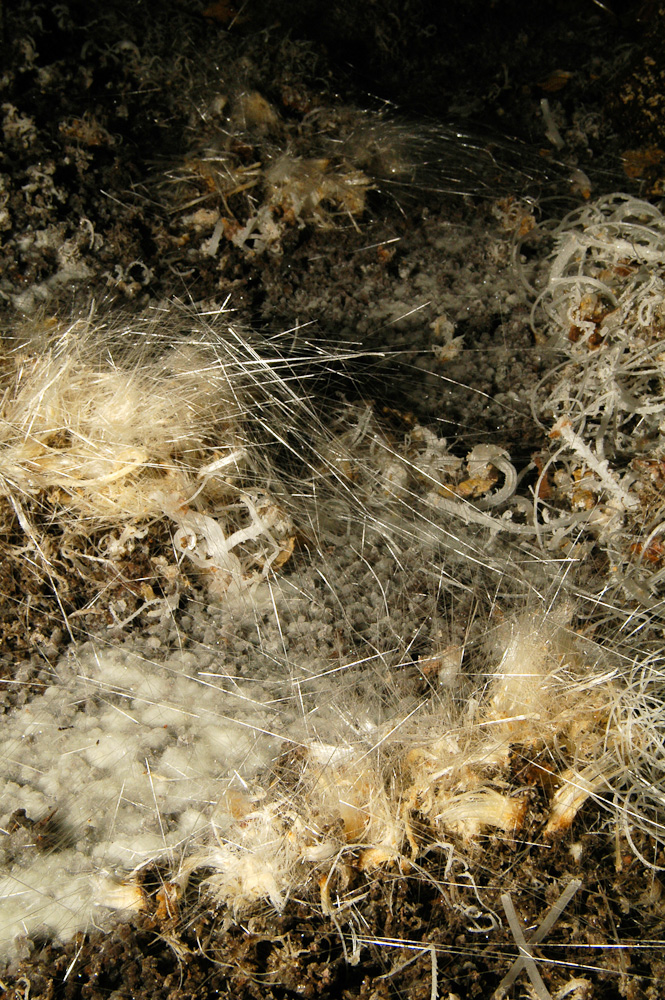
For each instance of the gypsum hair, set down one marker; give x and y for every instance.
(110, 429)
(108, 426)
(363, 789)
(251, 173)
(369, 466)
(600, 311)
(370, 778)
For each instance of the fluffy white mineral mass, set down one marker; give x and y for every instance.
(392, 621)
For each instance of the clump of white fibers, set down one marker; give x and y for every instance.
(253, 777)
(107, 432)
(312, 715)
(603, 310)
(252, 174)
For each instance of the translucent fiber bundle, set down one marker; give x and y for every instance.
(603, 309)
(114, 429)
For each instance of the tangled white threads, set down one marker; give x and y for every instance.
(121, 430)
(603, 308)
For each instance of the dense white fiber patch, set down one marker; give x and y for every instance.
(265, 779)
(394, 643)
(132, 753)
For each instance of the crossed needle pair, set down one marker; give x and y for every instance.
(526, 959)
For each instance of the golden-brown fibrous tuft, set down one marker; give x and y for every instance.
(112, 431)
(542, 720)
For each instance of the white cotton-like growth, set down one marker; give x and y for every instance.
(130, 754)
(602, 309)
(521, 685)
(94, 425)
(303, 188)
(256, 773)
(544, 696)
(252, 175)
(135, 427)
(255, 864)
(398, 687)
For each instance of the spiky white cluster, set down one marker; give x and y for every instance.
(603, 308)
(386, 693)
(215, 771)
(253, 174)
(111, 433)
